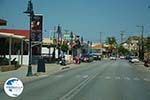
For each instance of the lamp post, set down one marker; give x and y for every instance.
(59, 40)
(88, 42)
(91, 47)
(71, 42)
(141, 45)
(30, 13)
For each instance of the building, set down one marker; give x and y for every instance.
(16, 35)
(133, 44)
(97, 48)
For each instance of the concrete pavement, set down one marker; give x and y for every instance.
(22, 71)
(101, 80)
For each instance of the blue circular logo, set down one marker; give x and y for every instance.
(13, 87)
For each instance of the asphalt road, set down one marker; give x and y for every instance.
(102, 80)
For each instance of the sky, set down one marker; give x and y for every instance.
(86, 18)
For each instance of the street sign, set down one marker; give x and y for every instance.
(36, 28)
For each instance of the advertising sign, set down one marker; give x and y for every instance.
(36, 27)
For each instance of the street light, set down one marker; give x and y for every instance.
(71, 43)
(59, 40)
(30, 13)
(141, 45)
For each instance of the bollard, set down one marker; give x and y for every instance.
(41, 65)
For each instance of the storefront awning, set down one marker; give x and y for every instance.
(2, 34)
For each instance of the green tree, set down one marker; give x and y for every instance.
(111, 41)
(122, 50)
(64, 47)
(147, 44)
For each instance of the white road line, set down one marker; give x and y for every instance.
(78, 76)
(117, 78)
(107, 77)
(85, 76)
(75, 90)
(126, 78)
(136, 79)
(146, 79)
(59, 76)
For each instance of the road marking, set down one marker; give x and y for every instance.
(117, 78)
(59, 76)
(136, 79)
(85, 76)
(146, 79)
(75, 90)
(126, 78)
(107, 77)
(78, 76)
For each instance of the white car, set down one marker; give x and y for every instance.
(134, 60)
(113, 58)
(122, 57)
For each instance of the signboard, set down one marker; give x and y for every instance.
(36, 28)
(3, 22)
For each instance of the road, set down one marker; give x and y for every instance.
(101, 80)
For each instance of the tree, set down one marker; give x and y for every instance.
(147, 44)
(122, 50)
(64, 47)
(111, 41)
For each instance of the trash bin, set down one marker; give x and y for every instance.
(41, 65)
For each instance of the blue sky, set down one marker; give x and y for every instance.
(85, 17)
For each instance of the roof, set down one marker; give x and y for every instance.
(24, 33)
(47, 41)
(11, 35)
(97, 46)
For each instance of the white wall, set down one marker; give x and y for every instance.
(18, 58)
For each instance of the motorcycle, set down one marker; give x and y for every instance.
(77, 60)
(62, 61)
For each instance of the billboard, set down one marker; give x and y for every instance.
(36, 28)
(3, 22)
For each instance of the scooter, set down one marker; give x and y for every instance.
(62, 61)
(77, 60)
(146, 63)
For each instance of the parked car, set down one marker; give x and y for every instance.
(122, 57)
(134, 59)
(113, 57)
(87, 58)
(96, 56)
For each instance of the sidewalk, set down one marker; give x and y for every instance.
(22, 71)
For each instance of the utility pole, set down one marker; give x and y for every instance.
(122, 34)
(59, 40)
(141, 44)
(54, 42)
(142, 51)
(100, 39)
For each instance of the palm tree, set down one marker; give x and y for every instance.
(111, 41)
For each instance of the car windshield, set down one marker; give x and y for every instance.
(74, 49)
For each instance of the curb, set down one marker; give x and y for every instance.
(39, 75)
